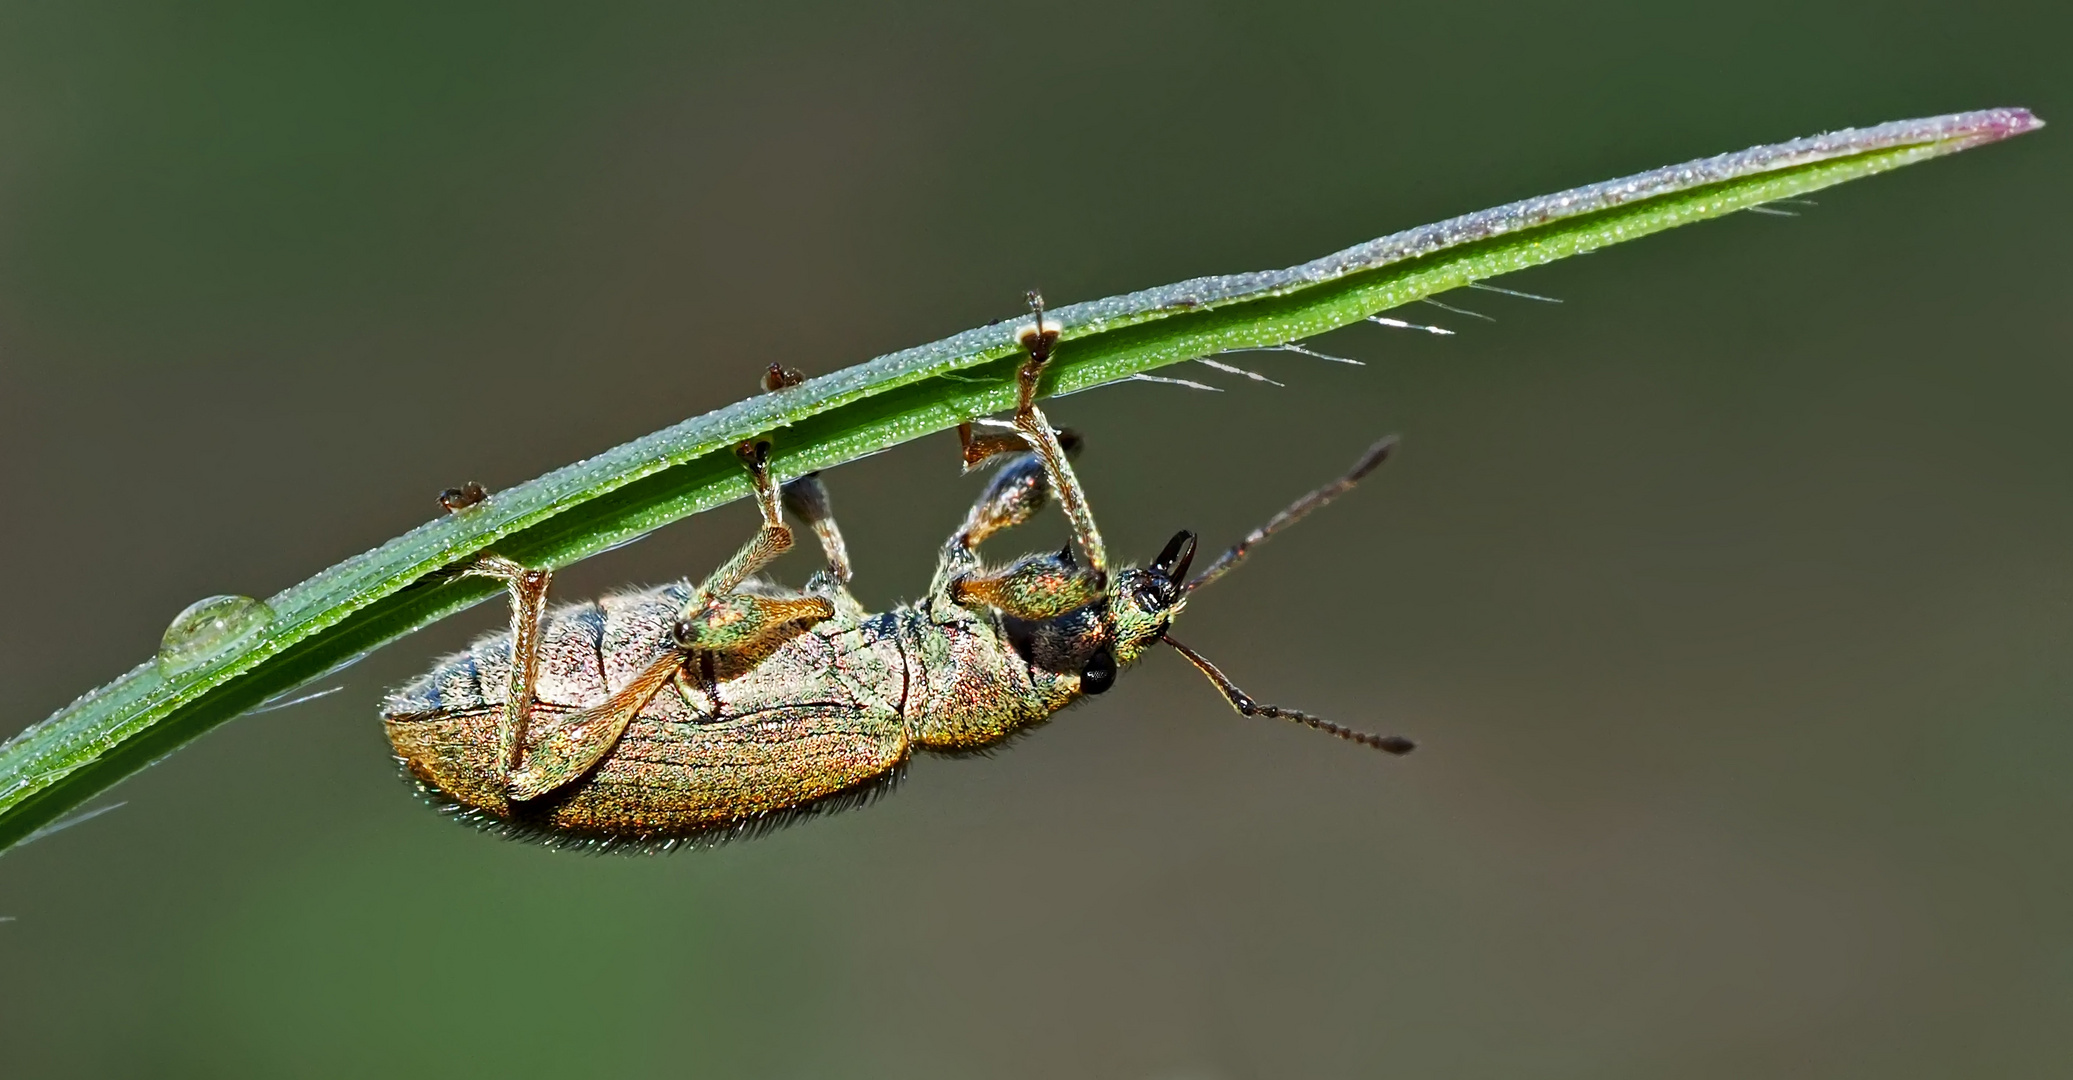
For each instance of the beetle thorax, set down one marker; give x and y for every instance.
(969, 685)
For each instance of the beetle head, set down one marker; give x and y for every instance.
(1144, 600)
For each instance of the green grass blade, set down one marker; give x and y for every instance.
(374, 598)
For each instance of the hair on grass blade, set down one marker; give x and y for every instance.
(1235, 370)
(1399, 324)
(1170, 381)
(79, 818)
(276, 706)
(1294, 347)
(1456, 310)
(1512, 292)
(1137, 377)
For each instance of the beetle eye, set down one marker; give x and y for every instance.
(1100, 672)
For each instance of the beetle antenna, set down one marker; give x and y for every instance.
(1374, 456)
(1246, 706)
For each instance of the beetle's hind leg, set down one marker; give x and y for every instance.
(717, 620)
(528, 590)
(578, 740)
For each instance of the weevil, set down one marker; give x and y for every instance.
(683, 713)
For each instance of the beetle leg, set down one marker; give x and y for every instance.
(1017, 491)
(1035, 587)
(1036, 430)
(747, 622)
(698, 690)
(1025, 483)
(808, 498)
(528, 589)
(719, 619)
(578, 741)
(979, 449)
(770, 541)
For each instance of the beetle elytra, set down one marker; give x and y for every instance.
(682, 713)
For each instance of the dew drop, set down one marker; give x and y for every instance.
(209, 628)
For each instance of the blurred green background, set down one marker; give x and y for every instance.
(1731, 599)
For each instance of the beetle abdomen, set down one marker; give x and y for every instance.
(810, 723)
(665, 779)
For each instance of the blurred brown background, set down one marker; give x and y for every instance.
(1731, 599)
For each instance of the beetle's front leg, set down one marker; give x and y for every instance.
(1036, 430)
(1022, 486)
(1035, 587)
(1017, 491)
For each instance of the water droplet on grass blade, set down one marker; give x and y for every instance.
(209, 628)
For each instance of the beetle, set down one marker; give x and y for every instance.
(680, 713)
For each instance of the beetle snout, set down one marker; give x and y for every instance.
(1173, 561)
